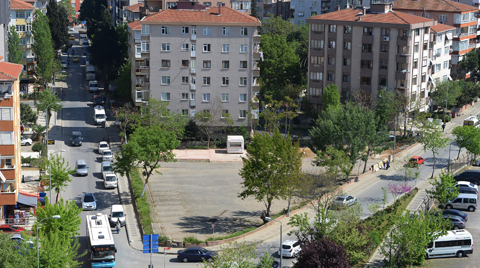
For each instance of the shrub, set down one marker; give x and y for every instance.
(39, 146)
(162, 239)
(322, 253)
(142, 205)
(26, 160)
(375, 236)
(192, 240)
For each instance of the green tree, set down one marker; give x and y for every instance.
(444, 189)
(58, 252)
(446, 88)
(13, 256)
(67, 4)
(387, 104)
(373, 136)
(43, 48)
(14, 52)
(468, 137)
(433, 140)
(301, 37)
(241, 254)
(91, 12)
(157, 113)
(470, 92)
(129, 117)
(470, 62)
(277, 26)
(48, 100)
(148, 146)
(68, 223)
(60, 173)
(253, 9)
(213, 118)
(122, 37)
(331, 97)
(123, 84)
(270, 163)
(58, 23)
(335, 161)
(27, 115)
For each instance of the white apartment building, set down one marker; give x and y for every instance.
(442, 36)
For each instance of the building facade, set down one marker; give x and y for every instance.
(38, 5)
(196, 59)
(442, 36)
(10, 160)
(132, 13)
(4, 21)
(21, 21)
(360, 51)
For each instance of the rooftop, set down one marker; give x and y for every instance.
(10, 71)
(442, 28)
(136, 25)
(18, 4)
(134, 8)
(433, 5)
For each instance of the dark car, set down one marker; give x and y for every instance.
(472, 176)
(454, 212)
(195, 254)
(8, 228)
(466, 190)
(99, 101)
(456, 221)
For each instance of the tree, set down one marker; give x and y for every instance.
(60, 173)
(15, 255)
(301, 37)
(58, 252)
(122, 37)
(69, 8)
(14, 52)
(277, 26)
(322, 253)
(277, 111)
(335, 161)
(433, 140)
(444, 89)
(27, 115)
(444, 189)
(58, 23)
(157, 113)
(129, 117)
(237, 253)
(331, 97)
(123, 88)
(148, 146)
(470, 92)
(270, 163)
(468, 137)
(470, 62)
(386, 106)
(47, 100)
(253, 9)
(43, 47)
(211, 119)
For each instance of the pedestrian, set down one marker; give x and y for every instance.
(384, 164)
(443, 126)
(118, 227)
(388, 164)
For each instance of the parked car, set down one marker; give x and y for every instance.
(8, 228)
(64, 63)
(117, 214)
(466, 190)
(453, 212)
(466, 184)
(456, 222)
(19, 239)
(89, 202)
(107, 155)
(106, 167)
(102, 146)
(72, 37)
(344, 200)
(290, 248)
(472, 176)
(71, 29)
(93, 85)
(195, 254)
(415, 161)
(463, 201)
(25, 142)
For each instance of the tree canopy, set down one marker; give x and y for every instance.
(468, 137)
(433, 140)
(59, 172)
(43, 47)
(14, 52)
(443, 189)
(58, 23)
(331, 97)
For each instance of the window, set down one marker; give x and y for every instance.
(367, 30)
(206, 48)
(424, 62)
(243, 81)
(316, 60)
(445, 64)
(425, 15)
(166, 81)
(316, 76)
(439, 52)
(332, 28)
(345, 93)
(415, 64)
(20, 14)
(384, 47)
(185, 63)
(385, 31)
(331, 60)
(184, 79)
(243, 31)
(368, 64)
(347, 45)
(206, 80)
(193, 81)
(317, 43)
(417, 32)
(313, 91)
(165, 30)
(165, 46)
(346, 78)
(446, 50)
(165, 96)
(318, 27)
(225, 48)
(23, 41)
(424, 78)
(425, 46)
(184, 30)
(206, 30)
(346, 61)
(331, 44)
(185, 112)
(206, 97)
(365, 81)
(226, 31)
(243, 48)
(166, 63)
(242, 114)
(414, 80)
(347, 29)
(331, 77)
(145, 29)
(243, 64)
(145, 47)
(416, 48)
(225, 113)
(382, 81)
(20, 28)
(383, 65)
(207, 64)
(192, 96)
(224, 97)
(185, 96)
(6, 138)
(171, 4)
(367, 48)
(438, 67)
(224, 81)
(184, 47)
(6, 114)
(225, 64)
(207, 4)
(243, 97)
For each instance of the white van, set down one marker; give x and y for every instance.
(90, 72)
(117, 214)
(455, 243)
(463, 201)
(99, 115)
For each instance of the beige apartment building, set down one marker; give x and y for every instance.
(195, 57)
(356, 50)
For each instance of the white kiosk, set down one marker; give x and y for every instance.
(235, 144)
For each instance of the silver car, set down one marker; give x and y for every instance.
(107, 155)
(344, 201)
(81, 167)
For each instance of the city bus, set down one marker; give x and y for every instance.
(101, 247)
(471, 121)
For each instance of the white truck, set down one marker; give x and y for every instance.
(99, 115)
(90, 72)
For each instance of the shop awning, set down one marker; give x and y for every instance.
(27, 200)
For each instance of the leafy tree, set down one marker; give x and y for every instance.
(91, 12)
(470, 91)
(14, 52)
(322, 253)
(470, 61)
(128, 116)
(68, 223)
(386, 106)
(27, 115)
(468, 137)
(122, 36)
(212, 118)
(58, 23)
(277, 111)
(237, 253)
(43, 47)
(123, 88)
(277, 26)
(373, 136)
(148, 146)
(157, 113)
(433, 140)
(14, 255)
(69, 8)
(58, 252)
(440, 94)
(301, 37)
(48, 100)
(60, 173)
(331, 97)
(335, 161)
(271, 161)
(253, 9)
(443, 189)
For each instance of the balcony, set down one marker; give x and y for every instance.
(193, 37)
(8, 197)
(145, 69)
(403, 58)
(193, 86)
(29, 20)
(400, 75)
(193, 53)
(256, 38)
(192, 103)
(138, 40)
(28, 32)
(145, 37)
(325, 8)
(192, 71)
(256, 55)
(145, 55)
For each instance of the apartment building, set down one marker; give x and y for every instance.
(442, 44)
(38, 5)
(356, 50)
(455, 14)
(21, 20)
(4, 20)
(275, 8)
(118, 9)
(195, 57)
(10, 160)
(304, 9)
(132, 13)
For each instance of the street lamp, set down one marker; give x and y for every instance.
(38, 255)
(281, 239)
(50, 170)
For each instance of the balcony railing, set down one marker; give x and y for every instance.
(193, 37)
(193, 86)
(192, 70)
(193, 53)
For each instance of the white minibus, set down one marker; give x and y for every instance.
(455, 243)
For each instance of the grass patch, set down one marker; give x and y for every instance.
(237, 233)
(142, 204)
(192, 240)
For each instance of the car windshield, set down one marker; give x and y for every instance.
(100, 116)
(340, 199)
(13, 227)
(110, 178)
(107, 153)
(204, 250)
(103, 145)
(117, 214)
(286, 246)
(88, 198)
(107, 168)
(94, 85)
(76, 138)
(82, 166)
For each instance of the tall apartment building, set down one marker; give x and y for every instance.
(356, 50)
(132, 13)
(10, 160)
(195, 58)
(304, 9)
(442, 45)
(38, 5)
(4, 20)
(21, 20)
(455, 14)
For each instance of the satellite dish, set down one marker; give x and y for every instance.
(151, 8)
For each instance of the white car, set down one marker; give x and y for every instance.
(290, 248)
(109, 180)
(107, 155)
(117, 214)
(25, 142)
(467, 184)
(64, 63)
(71, 29)
(93, 85)
(102, 146)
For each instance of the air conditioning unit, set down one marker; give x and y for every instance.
(386, 38)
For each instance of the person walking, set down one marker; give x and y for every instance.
(443, 127)
(388, 164)
(117, 227)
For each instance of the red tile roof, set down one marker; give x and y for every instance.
(389, 17)
(18, 4)
(208, 16)
(134, 8)
(10, 71)
(433, 5)
(136, 25)
(442, 28)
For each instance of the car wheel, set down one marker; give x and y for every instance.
(455, 227)
(28, 144)
(460, 254)
(471, 209)
(448, 207)
(185, 260)
(426, 256)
